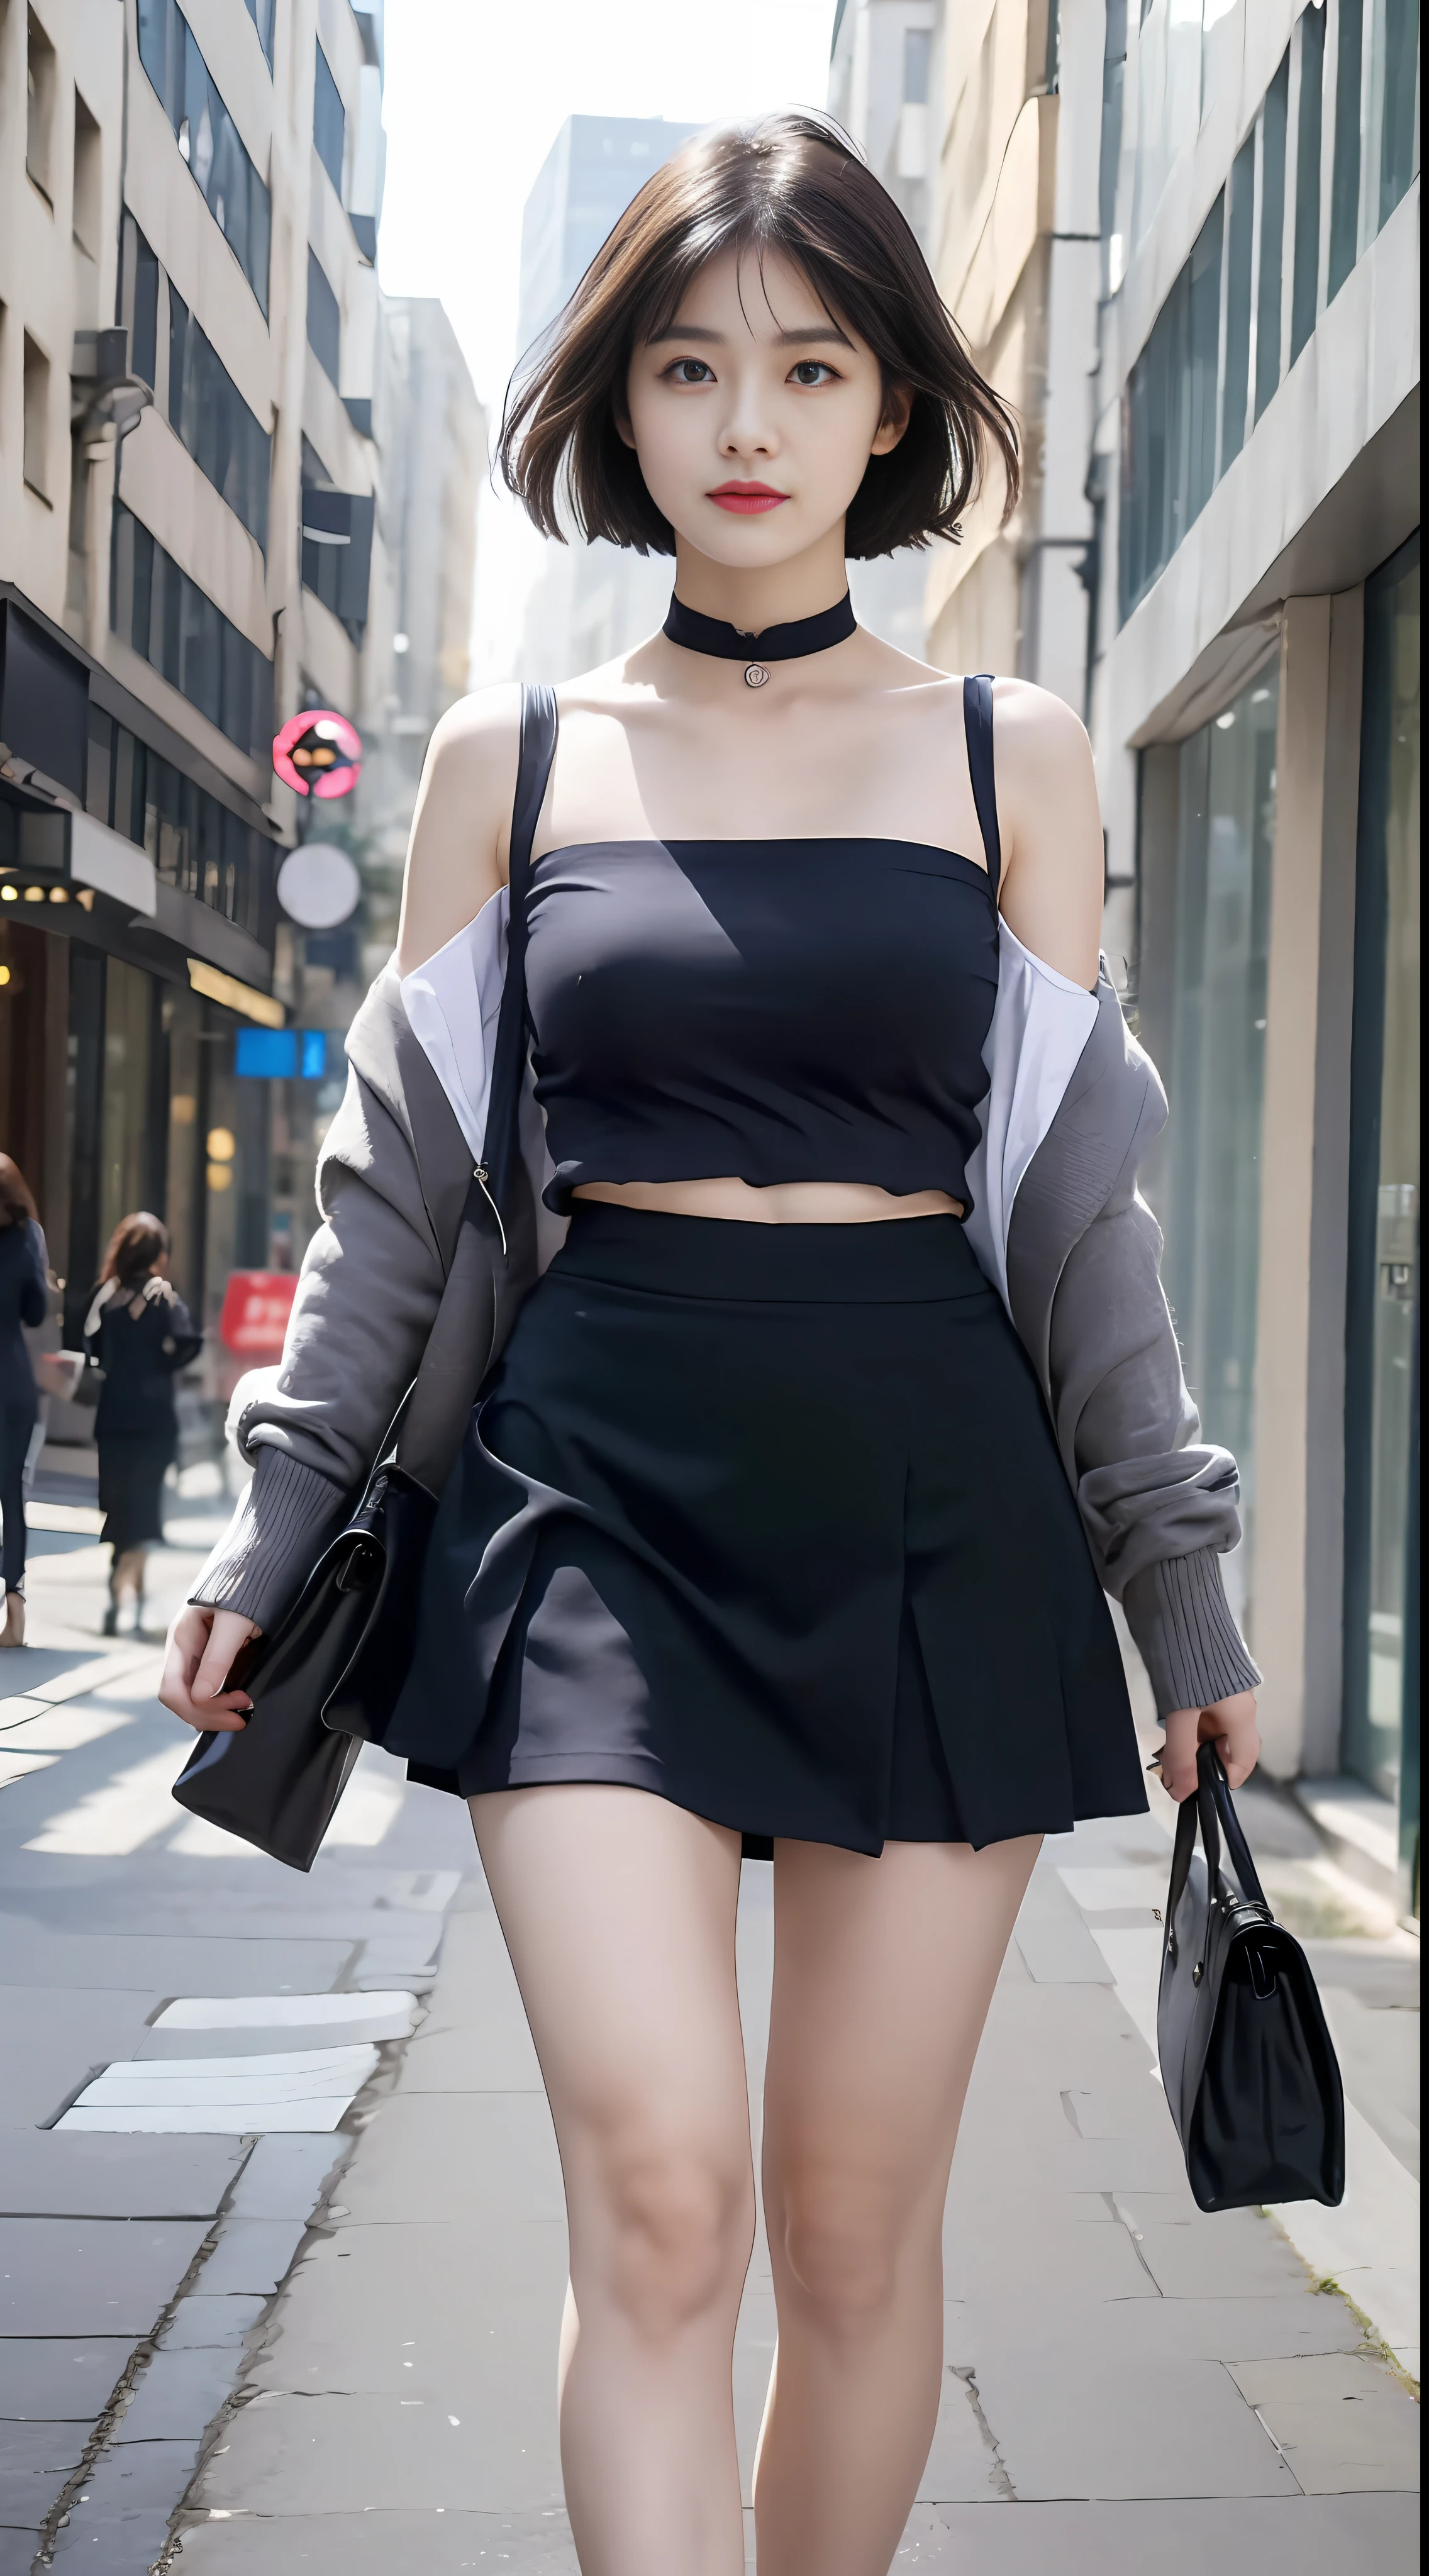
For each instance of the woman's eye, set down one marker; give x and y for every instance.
(811, 371)
(691, 371)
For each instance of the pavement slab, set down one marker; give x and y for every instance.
(119, 2522)
(379, 2544)
(199, 2322)
(333, 2453)
(178, 2395)
(57, 2173)
(1343, 2422)
(36, 2463)
(91, 2276)
(60, 2379)
(1099, 2426)
(53, 2038)
(36, 1955)
(1306, 2536)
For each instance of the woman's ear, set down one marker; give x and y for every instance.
(897, 412)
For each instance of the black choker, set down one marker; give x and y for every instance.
(777, 643)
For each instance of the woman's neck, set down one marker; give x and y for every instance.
(770, 595)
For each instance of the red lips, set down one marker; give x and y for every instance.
(746, 499)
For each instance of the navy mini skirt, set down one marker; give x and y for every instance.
(770, 1521)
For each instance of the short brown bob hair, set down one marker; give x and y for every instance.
(138, 1243)
(791, 182)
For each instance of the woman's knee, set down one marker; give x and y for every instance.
(841, 2243)
(672, 2237)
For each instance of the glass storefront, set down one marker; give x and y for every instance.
(1381, 1742)
(1207, 1192)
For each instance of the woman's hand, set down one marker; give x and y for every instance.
(202, 1645)
(1229, 1724)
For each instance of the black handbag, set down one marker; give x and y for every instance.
(1246, 2058)
(328, 1678)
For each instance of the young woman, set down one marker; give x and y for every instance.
(22, 1302)
(765, 1533)
(139, 1333)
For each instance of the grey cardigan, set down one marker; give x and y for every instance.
(1077, 1262)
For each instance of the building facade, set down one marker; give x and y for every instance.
(885, 83)
(1254, 697)
(1016, 258)
(196, 541)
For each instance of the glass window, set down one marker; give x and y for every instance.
(1169, 445)
(207, 138)
(1307, 181)
(1203, 357)
(918, 58)
(324, 322)
(1400, 122)
(1235, 393)
(329, 122)
(214, 422)
(179, 630)
(1208, 1195)
(1345, 179)
(144, 340)
(1382, 1338)
(1272, 234)
(262, 13)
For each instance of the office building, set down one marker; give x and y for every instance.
(589, 602)
(885, 80)
(1255, 714)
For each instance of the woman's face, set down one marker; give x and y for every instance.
(755, 414)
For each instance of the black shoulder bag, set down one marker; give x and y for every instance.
(329, 1677)
(1247, 2061)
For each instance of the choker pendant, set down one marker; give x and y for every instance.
(788, 643)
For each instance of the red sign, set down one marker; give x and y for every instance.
(319, 753)
(256, 1307)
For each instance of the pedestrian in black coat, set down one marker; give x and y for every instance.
(139, 1332)
(22, 1301)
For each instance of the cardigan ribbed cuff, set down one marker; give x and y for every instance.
(274, 1540)
(1179, 1615)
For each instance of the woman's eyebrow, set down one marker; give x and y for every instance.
(785, 340)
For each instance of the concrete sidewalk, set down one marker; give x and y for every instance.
(335, 2350)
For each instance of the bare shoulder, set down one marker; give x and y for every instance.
(1037, 734)
(478, 732)
(456, 858)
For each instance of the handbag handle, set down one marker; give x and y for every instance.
(1213, 1809)
(431, 1419)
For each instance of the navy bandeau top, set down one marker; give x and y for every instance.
(771, 1011)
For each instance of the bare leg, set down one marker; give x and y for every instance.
(618, 1910)
(883, 1972)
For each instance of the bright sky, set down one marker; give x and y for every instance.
(476, 92)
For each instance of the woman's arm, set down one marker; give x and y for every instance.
(34, 1296)
(1053, 868)
(372, 1277)
(457, 856)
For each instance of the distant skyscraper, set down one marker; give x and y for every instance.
(590, 602)
(593, 169)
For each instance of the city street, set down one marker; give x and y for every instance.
(288, 2345)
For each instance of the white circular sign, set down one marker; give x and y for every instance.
(318, 886)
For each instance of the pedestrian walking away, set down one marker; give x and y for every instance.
(829, 1384)
(139, 1334)
(22, 1302)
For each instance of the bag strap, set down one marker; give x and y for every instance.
(1216, 1788)
(501, 1149)
(977, 726)
(431, 1419)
